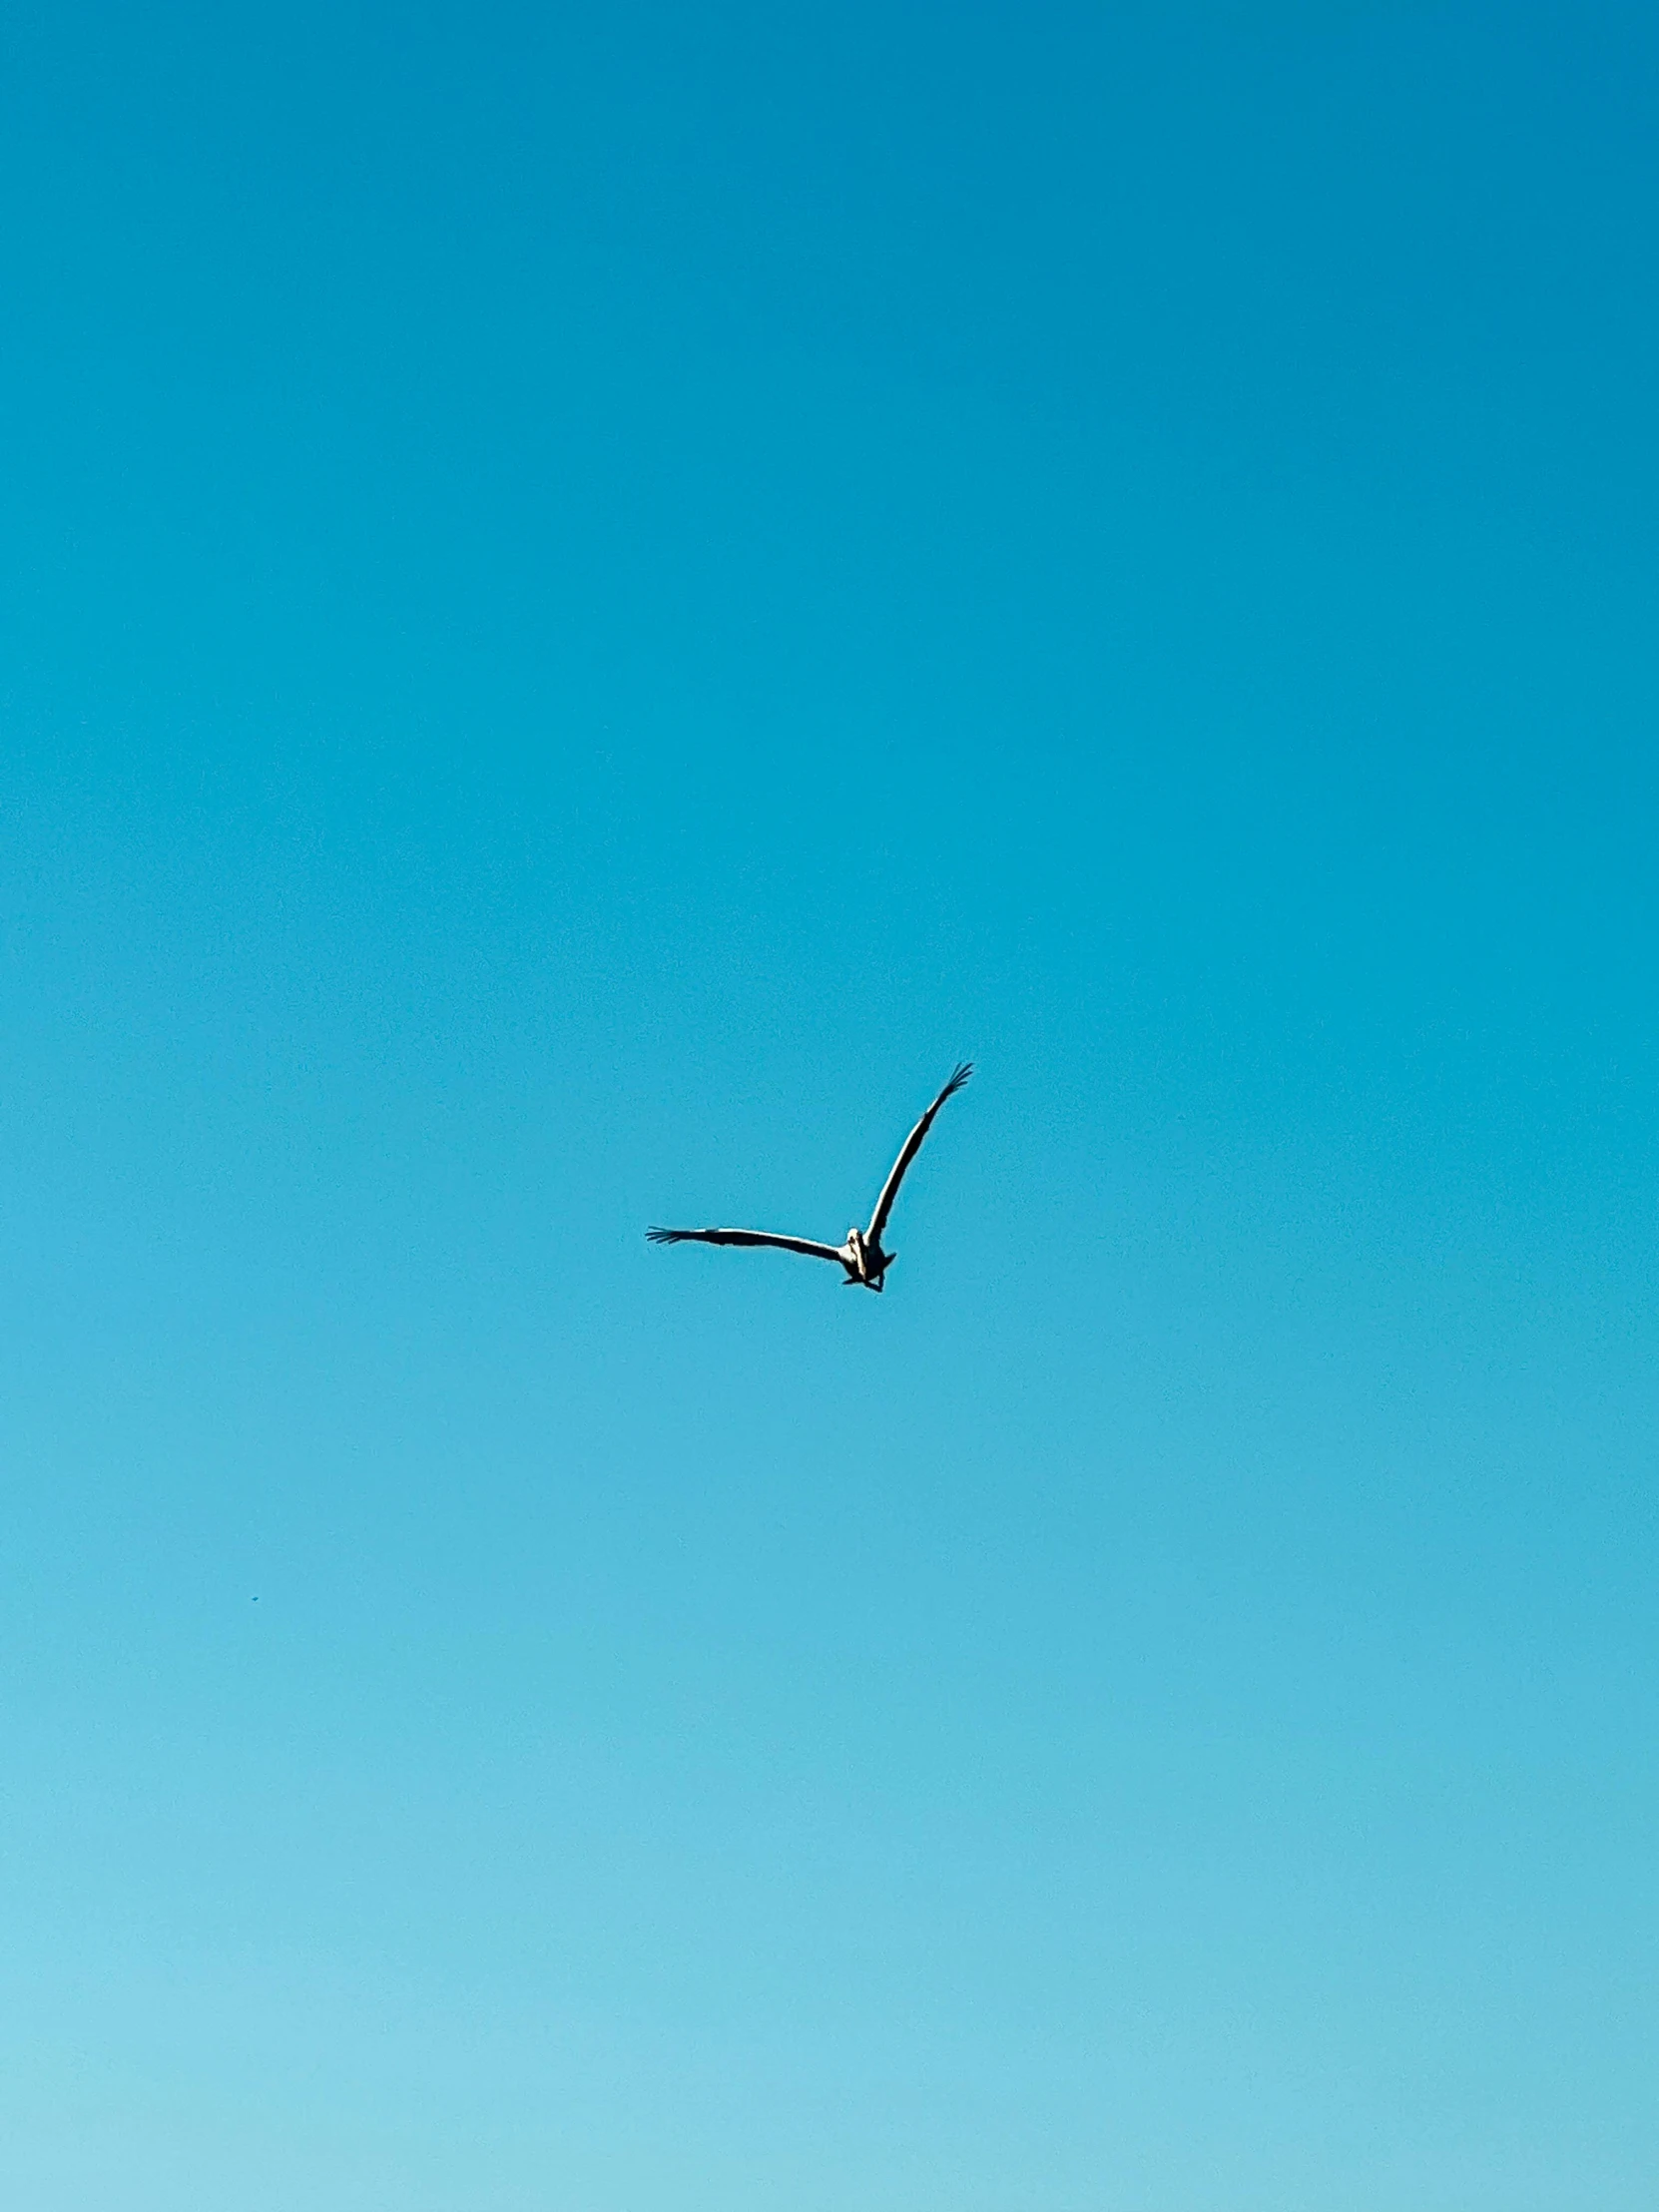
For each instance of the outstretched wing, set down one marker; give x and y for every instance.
(744, 1237)
(912, 1145)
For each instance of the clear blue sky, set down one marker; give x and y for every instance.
(587, 599)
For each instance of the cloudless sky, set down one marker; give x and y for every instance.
(589, 598)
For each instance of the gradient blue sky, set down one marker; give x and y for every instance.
(588, 598)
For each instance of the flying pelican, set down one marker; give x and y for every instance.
(861, 1256)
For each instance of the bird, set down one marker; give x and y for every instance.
(863, 1255)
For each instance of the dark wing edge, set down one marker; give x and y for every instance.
(742, 1237)
(912, 1145)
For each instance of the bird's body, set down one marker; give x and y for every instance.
(863, 1255)
(866, 1263)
